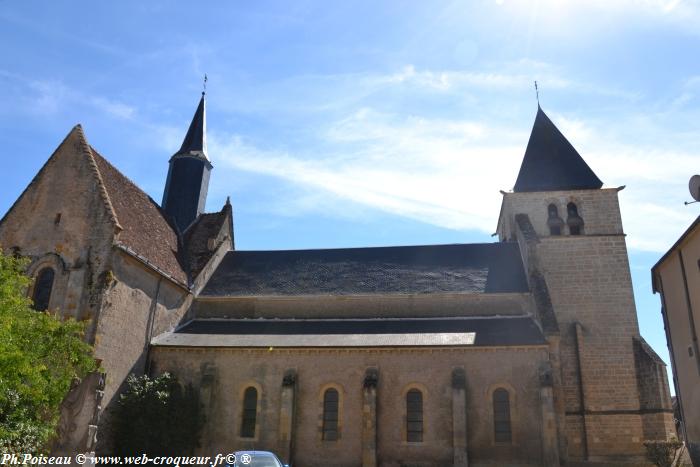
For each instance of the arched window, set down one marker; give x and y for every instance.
(414, 416)
(250, 412)
(42, 289)
(501, 416)
(573, 220)
(330, 415)
(554, 222)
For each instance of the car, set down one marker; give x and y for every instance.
(257, 459)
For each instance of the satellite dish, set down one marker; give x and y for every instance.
(694, 186)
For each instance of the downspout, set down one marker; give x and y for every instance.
(150, 326)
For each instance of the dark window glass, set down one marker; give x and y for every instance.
(250, 412)
(330, 415)
(501, 416)
(42, 289)
(414, 416)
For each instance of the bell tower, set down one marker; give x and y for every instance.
(188, 176)
(571, 236)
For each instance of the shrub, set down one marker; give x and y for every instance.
(157, 417)
(40, 355)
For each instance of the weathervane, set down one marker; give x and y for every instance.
(537, 93)
(204, 90)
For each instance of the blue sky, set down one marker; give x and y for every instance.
(366, 123)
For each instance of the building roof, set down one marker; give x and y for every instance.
(145, 231)
(208, 226)
(551, 163)
(477, 268)
(195, 142)
(387, 332)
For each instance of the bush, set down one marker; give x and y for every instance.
(157, 417)
(39, 356)
(665, 453)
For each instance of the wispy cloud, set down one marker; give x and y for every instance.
(447, 171)
(51, 96)
(113, 108)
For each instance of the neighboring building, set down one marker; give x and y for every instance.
(521, 352)
(677, 278)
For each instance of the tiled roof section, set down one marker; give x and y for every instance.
(481, 268)
(551, 163)
(197, 236)
(145, 230)
(477, 331)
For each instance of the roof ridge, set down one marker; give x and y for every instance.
(430, 245)
(87, 151)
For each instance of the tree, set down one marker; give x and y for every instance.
(40, 355)
(156, 417)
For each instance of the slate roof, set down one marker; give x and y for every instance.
(477, 331)
(195, 142)
(197, 237)
(145, 229)
(551, 163)
(484, 268)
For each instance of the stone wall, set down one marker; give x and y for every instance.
(599, 209)
(365, 306)
(227, 372)
(590, 287)
(61, 221)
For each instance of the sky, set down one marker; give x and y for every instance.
(365, 123)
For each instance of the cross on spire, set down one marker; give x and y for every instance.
(537, 93)
(204, 86)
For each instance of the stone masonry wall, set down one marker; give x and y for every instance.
(137, 305)
(599, 209)
(590, 284)
(61, 221)
(429, 370)
(367, 306)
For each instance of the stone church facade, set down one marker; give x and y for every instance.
(524, 351)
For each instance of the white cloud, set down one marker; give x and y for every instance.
(48, 97)
(113, 108)
(448, 172)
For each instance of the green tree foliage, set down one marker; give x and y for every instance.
(39, 356)
(157, 417)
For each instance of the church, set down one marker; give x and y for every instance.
(524, 351)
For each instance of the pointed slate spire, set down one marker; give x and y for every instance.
(551, 163)
(195, 142)
(185, 193)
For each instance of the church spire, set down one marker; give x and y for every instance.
(195, 142)
(186, 188)
(551, 163)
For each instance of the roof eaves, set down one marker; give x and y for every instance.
(145, 261)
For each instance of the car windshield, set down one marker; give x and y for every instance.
(256, 460)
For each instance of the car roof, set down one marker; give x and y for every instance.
(257, 453)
